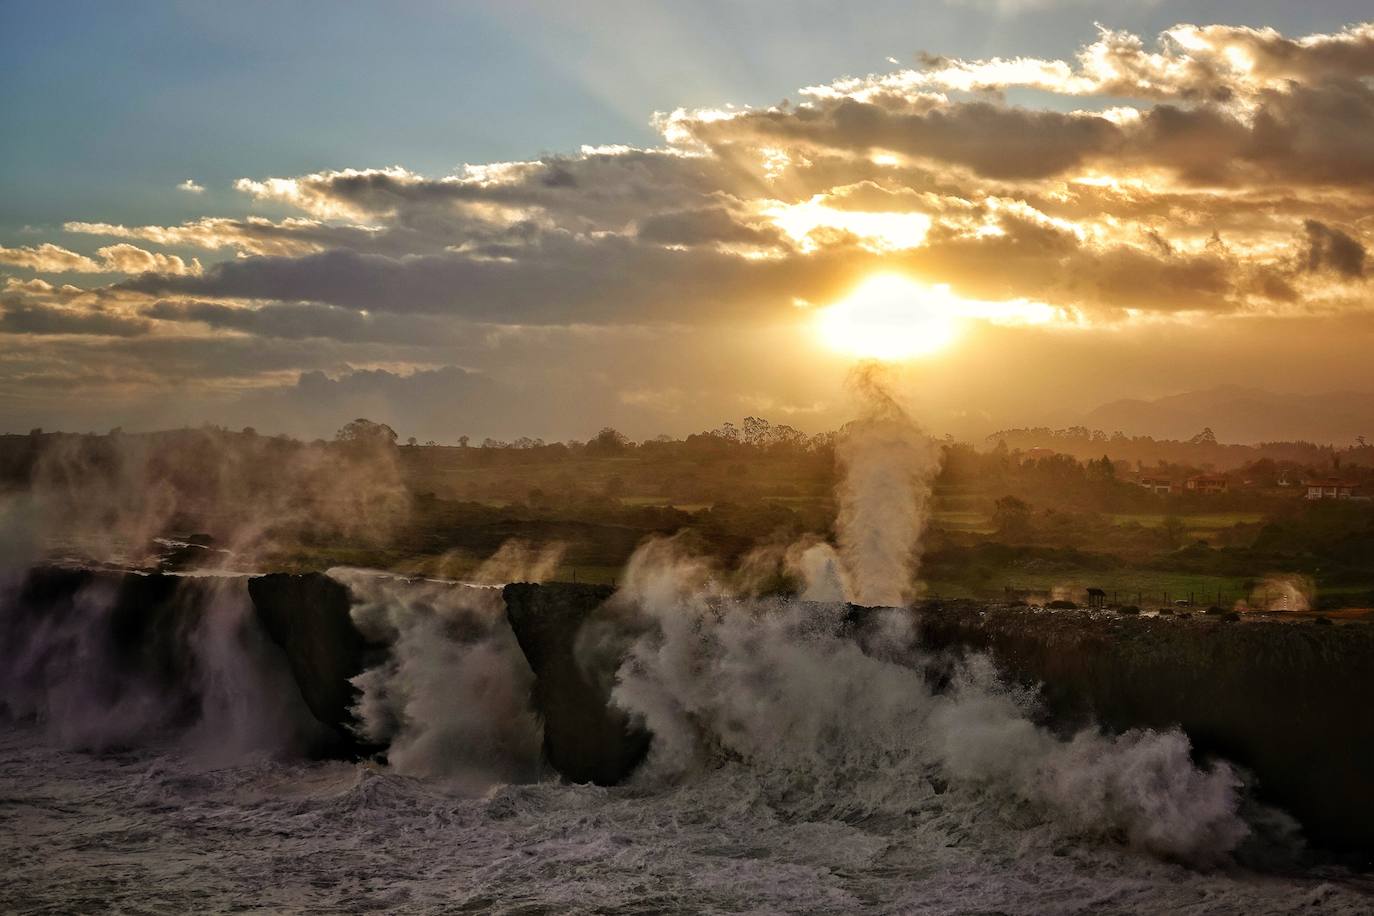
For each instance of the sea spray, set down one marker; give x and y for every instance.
(249, 702)
(520, 561)
(829, 730)
(62, 671)
(822, 573)
(106, 661)
(451, 698)
(887, 467)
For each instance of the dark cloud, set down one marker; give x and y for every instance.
(307, 320)
(593, 191)
(18, 317)
(993, 140)
(562, 281)
(1307, 134)
(1333, 250)
(705, 226)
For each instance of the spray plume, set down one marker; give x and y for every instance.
(887, 466)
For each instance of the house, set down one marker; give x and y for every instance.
(1206, 483)
(1330, 488)
(1156, 483)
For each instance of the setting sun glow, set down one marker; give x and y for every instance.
(890, 317)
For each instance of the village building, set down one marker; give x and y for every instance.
(1207, 483)
(1331, 488)
(1156, 483)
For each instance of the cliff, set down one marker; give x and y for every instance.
(585, 738)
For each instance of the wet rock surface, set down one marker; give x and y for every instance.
(308, 616)
(585, 738)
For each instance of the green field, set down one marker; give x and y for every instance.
(662, 501)
(969, 520)
(1126, 586)
(1210, 521)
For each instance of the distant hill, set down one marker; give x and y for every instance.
(1242, 415)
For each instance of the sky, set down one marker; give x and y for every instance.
(538, 219)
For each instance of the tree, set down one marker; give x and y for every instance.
(754, 430)
(365, 432)
(411, 442)
(1102, 469)
(608, 442)
(1011, 516)
(463, 441)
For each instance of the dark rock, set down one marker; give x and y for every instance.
(1322, 620)
(1061, 605)
(1128, 609)
(309, 617)
(585, 738)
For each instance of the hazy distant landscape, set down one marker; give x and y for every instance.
(1034, 511)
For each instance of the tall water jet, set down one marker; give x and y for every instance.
(887, 466)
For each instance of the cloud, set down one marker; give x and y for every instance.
(1236, 106)
(124, 259)
(705, 226)
(47, 258)
(564, 280)
(130, 259)
(190, 187)
(253, 235)
(1331, 249)
(307, 321)
(39, 308)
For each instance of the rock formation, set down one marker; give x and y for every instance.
(585, 738)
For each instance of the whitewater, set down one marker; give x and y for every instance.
(796, 767)
(154, 831)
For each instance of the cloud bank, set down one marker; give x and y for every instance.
(1208, 176)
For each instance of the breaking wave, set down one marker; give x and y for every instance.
(835, 722)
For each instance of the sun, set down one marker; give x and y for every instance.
(890, 317)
